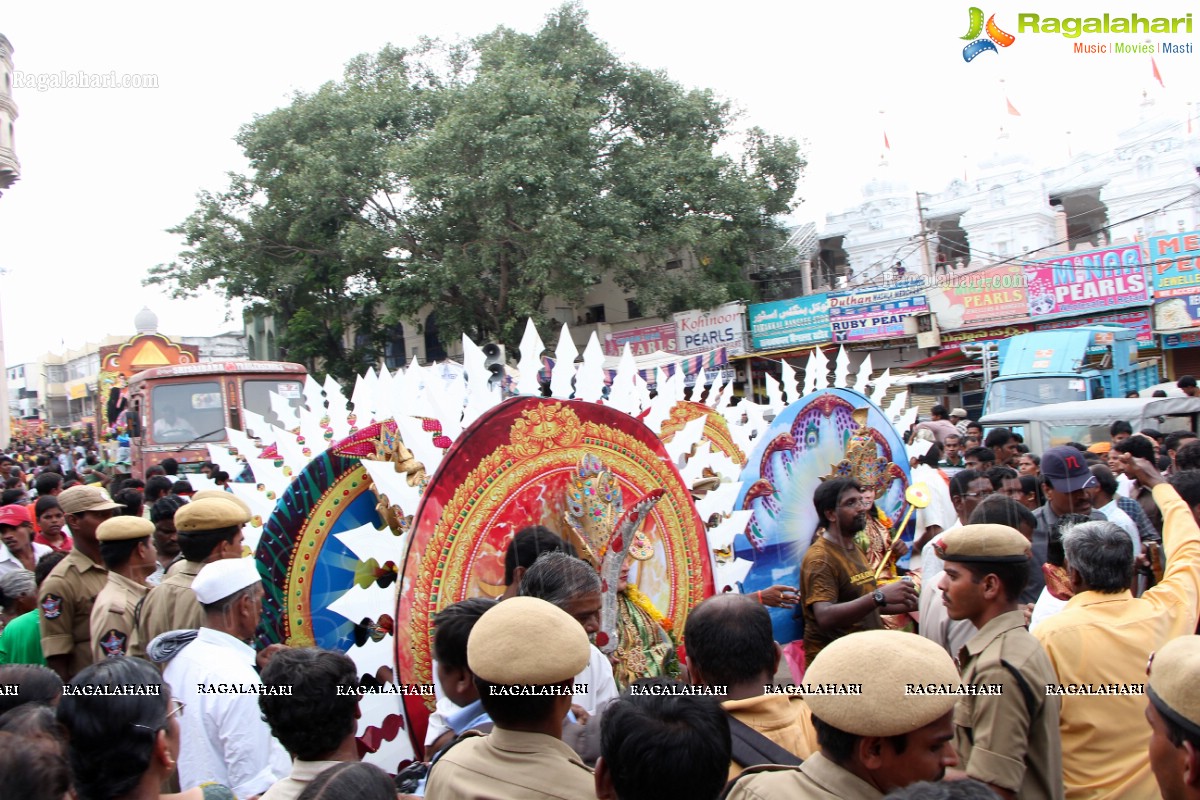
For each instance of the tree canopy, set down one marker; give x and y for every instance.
(480, 180)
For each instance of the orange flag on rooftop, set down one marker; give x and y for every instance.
(1157, 74)
(887, 145)
(1011, 108)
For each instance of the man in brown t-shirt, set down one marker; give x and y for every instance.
(836, 583)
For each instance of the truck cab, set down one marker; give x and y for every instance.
(1089, 362)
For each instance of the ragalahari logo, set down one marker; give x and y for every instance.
(995, 36)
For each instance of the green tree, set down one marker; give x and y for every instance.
(481, 181)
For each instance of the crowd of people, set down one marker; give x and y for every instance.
(1040, 644)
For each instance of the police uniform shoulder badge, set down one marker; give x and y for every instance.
(113, 643)
(52, 606)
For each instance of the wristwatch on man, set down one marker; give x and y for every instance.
(880, 600)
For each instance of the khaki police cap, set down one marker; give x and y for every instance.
(1173, 687)
(120, 529)
(988, 544)
(223, 495)
(81, 499)
(527, 641)
(907, 682)
(209, 514)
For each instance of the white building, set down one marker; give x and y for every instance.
(10, 172)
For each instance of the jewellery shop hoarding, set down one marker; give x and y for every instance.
(1083, 283)
(1175, 271)
(862, 315)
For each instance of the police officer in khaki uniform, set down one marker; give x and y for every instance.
(208, 529)
(879, 688)
(129, 556)
(1174, 716)
(1008, 739)
(69, 591)
(525, 654)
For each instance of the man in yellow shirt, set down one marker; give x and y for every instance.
(729, 644)
(1100, 643)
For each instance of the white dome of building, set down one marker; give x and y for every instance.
(146, 321)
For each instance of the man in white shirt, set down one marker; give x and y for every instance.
(574, 586)
(1104, 500)
(223, 736)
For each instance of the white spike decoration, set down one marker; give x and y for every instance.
(810, 373)
(788, 379)
(395, 485)
(389, 405)
(863, 376)
(820, 368)
(897, 406)
(531, 361)
(683, 441)
(282, 409)
(723, 401)
(448, 400)
(728, 576)
(693, 470)
(384, 390)
(480, 396)
(258, 426)
(562, 376)
(660, 405)
(721, 536)
(774, 395)
(719, 500)
(363, 396)
(589, 384)
(621, 396)
(907, 419)
(880, 387)
(700, 384)
(314, 398)
(714, 391)
(339, 416)
(641, 394)
(841, 368)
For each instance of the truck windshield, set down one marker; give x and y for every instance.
(256, 396)
(187, 412)
(1009, 395)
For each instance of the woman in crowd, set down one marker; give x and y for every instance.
(124, 746)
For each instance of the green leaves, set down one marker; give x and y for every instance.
(488, 181)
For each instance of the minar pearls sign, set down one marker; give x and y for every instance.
(724, 326)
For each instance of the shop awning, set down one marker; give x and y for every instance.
(953, 357)
(938, 377)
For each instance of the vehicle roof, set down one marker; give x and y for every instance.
(1137, 410)
(219, 368)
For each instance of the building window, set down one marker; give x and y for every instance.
(633, 309)
(594, 314)
(1145, 166)
(434, 350)
(675, 263)
(250, 351)
(271, 353)
(394, 350)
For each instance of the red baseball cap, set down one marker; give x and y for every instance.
(14, 515)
